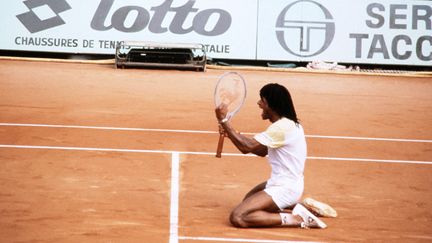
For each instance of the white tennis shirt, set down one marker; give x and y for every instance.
(286, 152)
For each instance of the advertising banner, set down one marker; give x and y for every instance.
(94, 26)
(362, 31)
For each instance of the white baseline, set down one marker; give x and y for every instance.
(11, 146)
(204, 132)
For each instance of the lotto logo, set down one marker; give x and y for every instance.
(43, 14)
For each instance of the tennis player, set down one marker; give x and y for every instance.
(285, 144)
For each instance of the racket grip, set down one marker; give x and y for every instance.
(220, 145)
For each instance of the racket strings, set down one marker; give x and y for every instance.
(230, 91)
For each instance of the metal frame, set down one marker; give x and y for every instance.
(162, 55)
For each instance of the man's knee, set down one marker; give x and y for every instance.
(236, 219)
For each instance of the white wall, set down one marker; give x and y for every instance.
(354, 31)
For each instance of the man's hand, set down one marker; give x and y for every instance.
(221, 111)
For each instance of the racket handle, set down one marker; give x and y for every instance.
(220, 145)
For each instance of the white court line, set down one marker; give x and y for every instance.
(107, 128)
(240, 240)
(203, 153)
(174, 208)
(207, 132)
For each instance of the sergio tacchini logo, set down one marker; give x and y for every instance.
(46, 16)
(305, 30)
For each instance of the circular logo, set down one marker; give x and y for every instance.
(305, 28)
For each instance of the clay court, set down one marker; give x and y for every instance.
(90, 153)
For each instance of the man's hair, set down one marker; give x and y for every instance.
(279, 100)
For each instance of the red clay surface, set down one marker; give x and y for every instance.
(53, 195)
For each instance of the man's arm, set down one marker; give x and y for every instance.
(243, 143)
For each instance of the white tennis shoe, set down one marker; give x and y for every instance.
(309, 220)
(319, 208)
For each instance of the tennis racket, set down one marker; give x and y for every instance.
(231, 91)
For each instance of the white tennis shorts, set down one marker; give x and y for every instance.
(285, 195)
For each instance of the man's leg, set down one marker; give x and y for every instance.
(257, 188)
(259, 210)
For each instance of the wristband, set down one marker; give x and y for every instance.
(223, 120)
